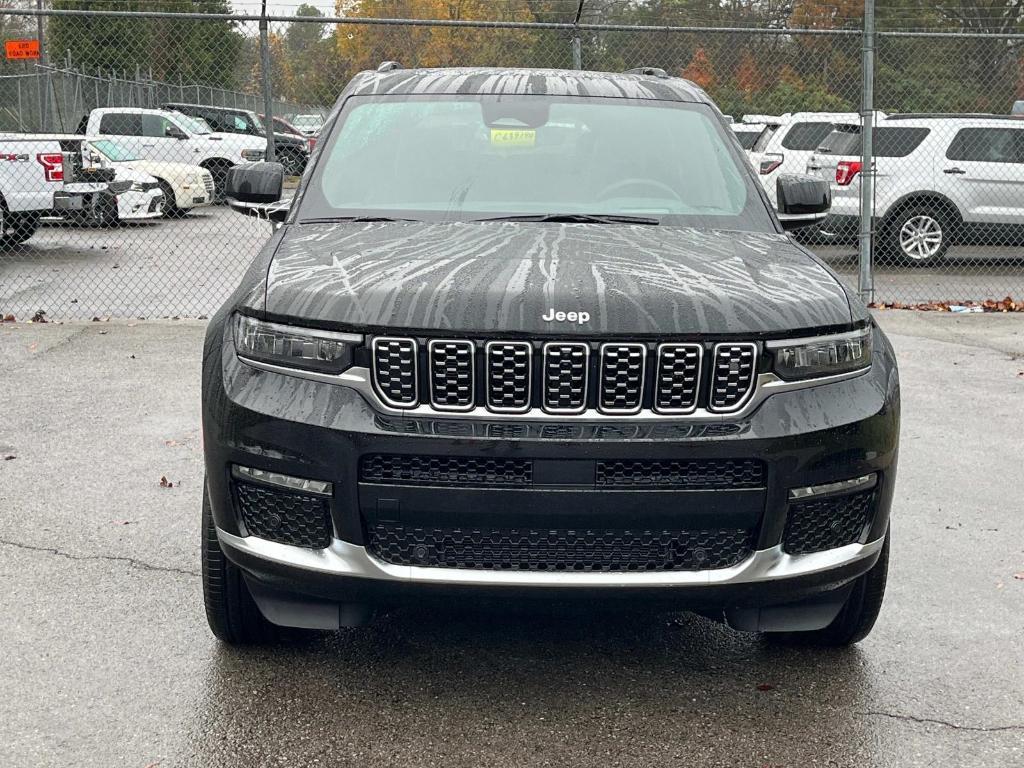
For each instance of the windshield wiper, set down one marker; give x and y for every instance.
(578, 218)
(346, 219)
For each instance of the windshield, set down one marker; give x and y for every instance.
(307, 121)
(465, 157)
(112, 151)
(193, 124)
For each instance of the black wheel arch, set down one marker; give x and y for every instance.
(924, 197)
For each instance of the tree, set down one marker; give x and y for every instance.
(749, 75)
(194, 51)
(700, 70)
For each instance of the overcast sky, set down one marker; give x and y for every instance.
(280, 7)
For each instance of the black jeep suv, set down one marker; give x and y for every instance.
(527, 333)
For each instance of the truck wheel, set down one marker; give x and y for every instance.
(16, 228)
(858, 615)
(231, 612)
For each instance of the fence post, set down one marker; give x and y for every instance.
(577, 45)
(268, 105)
(865, 280)
(44, 96)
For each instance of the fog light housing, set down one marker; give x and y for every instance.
(840, 486)
(299, 484)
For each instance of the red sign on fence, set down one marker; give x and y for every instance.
(22, 49)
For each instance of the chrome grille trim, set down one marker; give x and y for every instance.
(603, 383)
(735, 349)
(490, 350)
(359, 379)
(546, 391)
(438, 381)
(660, 387)
(396, 343)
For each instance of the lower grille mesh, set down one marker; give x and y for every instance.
(283, 516)
(538, 549)
(814, 526)
(445, 470)
(694, 474)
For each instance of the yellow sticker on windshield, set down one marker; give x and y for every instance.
(513, 137)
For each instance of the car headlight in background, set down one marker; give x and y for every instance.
(822, 356)
(253, 155)
(310, 349)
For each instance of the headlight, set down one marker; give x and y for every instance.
(823, 356)
(253, 155)
(307, 348)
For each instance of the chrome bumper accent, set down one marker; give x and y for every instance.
(344, 559)
(358, 378)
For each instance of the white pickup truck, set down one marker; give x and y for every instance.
(170, 137)
(31, 174)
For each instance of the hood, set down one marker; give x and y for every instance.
(290, 140)
(132, 173)
(510, 277)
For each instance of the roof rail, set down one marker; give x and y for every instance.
(649, 71)
(951, 115)
(388, 66)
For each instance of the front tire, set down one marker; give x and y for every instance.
(171, 209)
(857, 616)
(232, 614)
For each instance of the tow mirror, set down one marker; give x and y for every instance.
(803, 200)
(255, 189)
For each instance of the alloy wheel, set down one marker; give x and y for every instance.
(921, 237)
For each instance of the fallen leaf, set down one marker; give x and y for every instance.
(165, 483)
(10, 457)
(1017, 576)
(9, 318)
(765, 687)
(39, 316)
(104, 333)
(1007, 304)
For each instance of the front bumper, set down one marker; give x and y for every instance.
(138, 206)
(313, 429)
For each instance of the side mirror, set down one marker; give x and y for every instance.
(255, 189)
(803, 200)
(174, 132)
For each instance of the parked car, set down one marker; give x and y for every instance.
(539, 333)
(172, 137)
(1018, 108)
(184, 186)
(310, 125)
(44, 175)
(292, 151)
(938, 180)
(283, 126)
(747, 133)
(788, 148)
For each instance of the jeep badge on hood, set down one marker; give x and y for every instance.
(566, 317)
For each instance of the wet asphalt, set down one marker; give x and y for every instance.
(105, 658)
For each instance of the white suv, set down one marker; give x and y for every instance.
(788, 148)
(171, 137)
(938, 180)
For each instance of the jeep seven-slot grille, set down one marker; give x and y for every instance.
(566, 365)
(684, 473)
(561, 549)
(732, 375)
(563, 377)
(451, 375)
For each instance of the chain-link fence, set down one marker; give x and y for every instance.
(109, 200)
